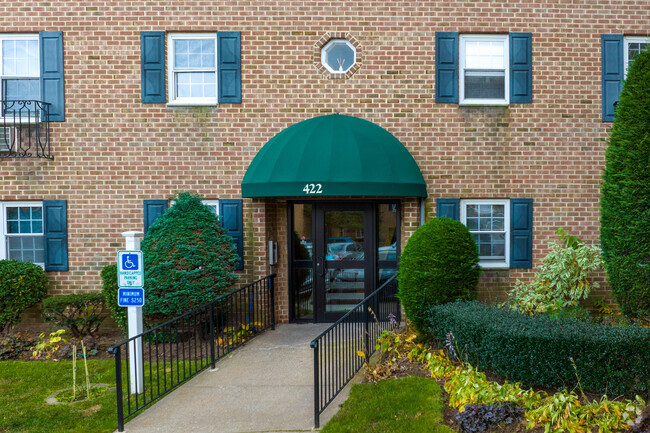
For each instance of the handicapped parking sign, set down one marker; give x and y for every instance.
(130, 272)
(130, 262)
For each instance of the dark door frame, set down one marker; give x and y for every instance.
(371, 266)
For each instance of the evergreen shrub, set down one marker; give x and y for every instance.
(188, 259)
(541, 351)
(625, 199)
(109, 290)
(81, 313)
(22, 284)
(438, 265)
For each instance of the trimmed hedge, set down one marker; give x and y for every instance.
(22, 284)
(81, 313)
(438, 265)
(537, 350)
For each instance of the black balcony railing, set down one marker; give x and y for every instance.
(180, 348)
(335, 350)
(25, 129)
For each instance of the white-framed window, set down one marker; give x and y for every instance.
(633, 45)
(21, 232)
(19, 67)
(213, 205)
(484, 70)
(338, 56)
(192, 74)
(489, 222)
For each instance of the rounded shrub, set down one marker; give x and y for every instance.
(188, 259)
(80, 313)
(438, 265)
(22, 284)
(625, 194)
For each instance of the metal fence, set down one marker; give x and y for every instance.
(25, 129)
(177, 350)
(335, 350)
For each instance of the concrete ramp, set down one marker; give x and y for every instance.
(265, 386)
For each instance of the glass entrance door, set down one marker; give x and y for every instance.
(339, 254)
(344, 257)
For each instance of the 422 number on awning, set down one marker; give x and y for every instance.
(313, 188)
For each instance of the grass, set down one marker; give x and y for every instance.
(25, 385)
(406, 405)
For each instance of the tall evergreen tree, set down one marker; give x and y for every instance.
(188, 259)
(625, 200)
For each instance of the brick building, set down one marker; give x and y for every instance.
(503, 107)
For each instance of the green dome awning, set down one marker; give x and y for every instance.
(333, 156)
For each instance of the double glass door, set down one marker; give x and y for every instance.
(340, 252)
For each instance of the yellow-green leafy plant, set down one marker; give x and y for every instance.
(561, 280)
(563, 411)
(49, 346)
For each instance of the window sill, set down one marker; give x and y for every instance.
(193, 104)
(486, 103)
(494, 266)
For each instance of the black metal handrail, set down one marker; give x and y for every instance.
(335, 350)
(179, 349)
(25, 129)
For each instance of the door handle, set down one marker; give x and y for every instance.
(320, 266)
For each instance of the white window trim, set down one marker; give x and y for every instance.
(323, 55)
(631, 40)
(3, 224)
(506, 225)
(17, 37)
(214, 203)
(189, 101)
(461, 70)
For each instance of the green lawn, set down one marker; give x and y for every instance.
(25, 385)
(407, 405)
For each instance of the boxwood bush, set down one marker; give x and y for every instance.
(439, 264)
(22, 284)
(538, 350)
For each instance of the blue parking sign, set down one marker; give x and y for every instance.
(130, 262)
(132, 297)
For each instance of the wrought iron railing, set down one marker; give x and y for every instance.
(25, 129)
(335, 350)
(177, 350)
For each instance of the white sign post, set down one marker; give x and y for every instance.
(130, 269)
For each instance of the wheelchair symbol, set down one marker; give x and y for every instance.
(130, 261)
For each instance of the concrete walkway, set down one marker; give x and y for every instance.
(265, 386)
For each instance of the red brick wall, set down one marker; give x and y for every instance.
(113, 151)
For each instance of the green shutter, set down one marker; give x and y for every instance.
(448, 208)
(153, 209)
(152, 67)
(521, 68)
(230, 215)
(55, 235)
(447, 67)
(52, 82)
(521, 233)
(229, 66)
(612, 73)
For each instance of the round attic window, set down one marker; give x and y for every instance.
(338, 56)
